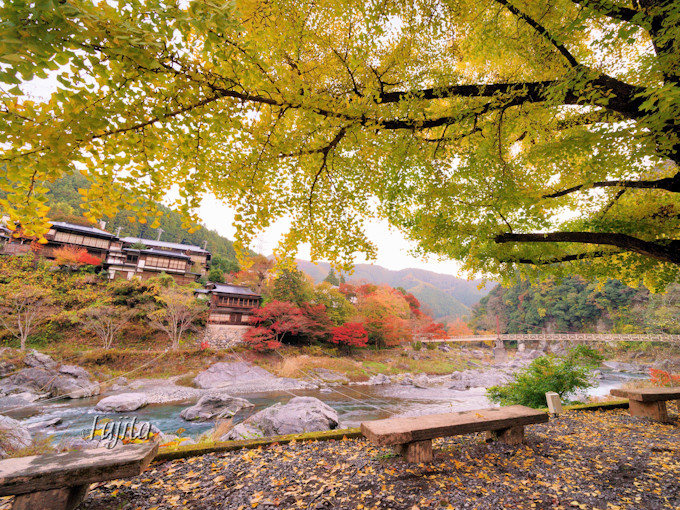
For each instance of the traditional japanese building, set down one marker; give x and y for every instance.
(230, 304)
(93, 240)
(131, 257)
(200, 257)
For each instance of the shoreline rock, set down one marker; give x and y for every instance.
(298, 415)
(44, 379)
(122, 403)
(242, 377)
(210, 407)
(13, 436)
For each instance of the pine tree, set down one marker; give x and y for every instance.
(331, 278)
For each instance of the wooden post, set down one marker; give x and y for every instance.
(67, 498)
(654, 410)
(511, 436)
(416, 452)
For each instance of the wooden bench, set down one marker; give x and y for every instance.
(60, 481)
(649, 402)
(412, 436)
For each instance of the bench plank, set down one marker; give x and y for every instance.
(55, 471)
(648, 394)
(395, 431)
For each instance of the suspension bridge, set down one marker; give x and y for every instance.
(564, 337)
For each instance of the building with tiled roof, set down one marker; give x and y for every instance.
(230, 304)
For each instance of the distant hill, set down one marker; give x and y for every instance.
(445, 296)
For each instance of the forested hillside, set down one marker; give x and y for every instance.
(576, 305)
(445, 296)
(64, 200)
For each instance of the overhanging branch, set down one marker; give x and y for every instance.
(662, 250)
(667, 183)
(567, 258)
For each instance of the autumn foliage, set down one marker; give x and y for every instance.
(663, 378)
(75, 257)
(350, 334)
(281, 322)
(459, 328)
(368, 314)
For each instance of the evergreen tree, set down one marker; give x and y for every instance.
(292, 286)
(331, 278)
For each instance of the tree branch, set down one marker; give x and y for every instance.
(671, 184)
(541, 30)
(567, 258)
(626, 98)
(666, 250)
(608, 9)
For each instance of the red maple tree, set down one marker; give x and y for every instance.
(280, 322)
(349, 335)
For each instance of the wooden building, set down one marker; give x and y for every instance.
(127, 257)
(129, 263)
(94, 240)
(230, 304)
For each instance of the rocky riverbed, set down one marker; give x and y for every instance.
(52, 393)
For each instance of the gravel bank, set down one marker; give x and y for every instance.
(586, 460)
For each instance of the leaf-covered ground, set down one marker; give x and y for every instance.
(586, 460)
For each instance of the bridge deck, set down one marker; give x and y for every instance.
(561, 337)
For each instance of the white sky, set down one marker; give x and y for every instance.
(392, 247)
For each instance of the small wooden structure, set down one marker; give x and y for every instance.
(649, 402)
(61, 481)
(412, 436)
(230, 304)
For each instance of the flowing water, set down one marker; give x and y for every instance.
(353, 404)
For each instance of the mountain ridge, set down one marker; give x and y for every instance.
(443, 295)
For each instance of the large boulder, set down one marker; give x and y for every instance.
(37, 359)
(209, 407)
(224, 374)
(74, 371)
(6, 368)
(73, 387)
(29, 379)
(122, 403)
(13, 436)
(300, 414)
(44, 380)
(242, 377)
(478, 378)
(380, 379)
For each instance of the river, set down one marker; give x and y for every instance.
(353, 404)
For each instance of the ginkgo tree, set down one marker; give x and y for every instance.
(504, 133)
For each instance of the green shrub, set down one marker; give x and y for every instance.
(430, 346)
(562, 374)
(417, 345)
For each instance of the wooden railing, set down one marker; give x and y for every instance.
(565, 337)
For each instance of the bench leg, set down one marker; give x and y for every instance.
(512, 436)
(416, 452)
(67, 498)
(655, 410)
